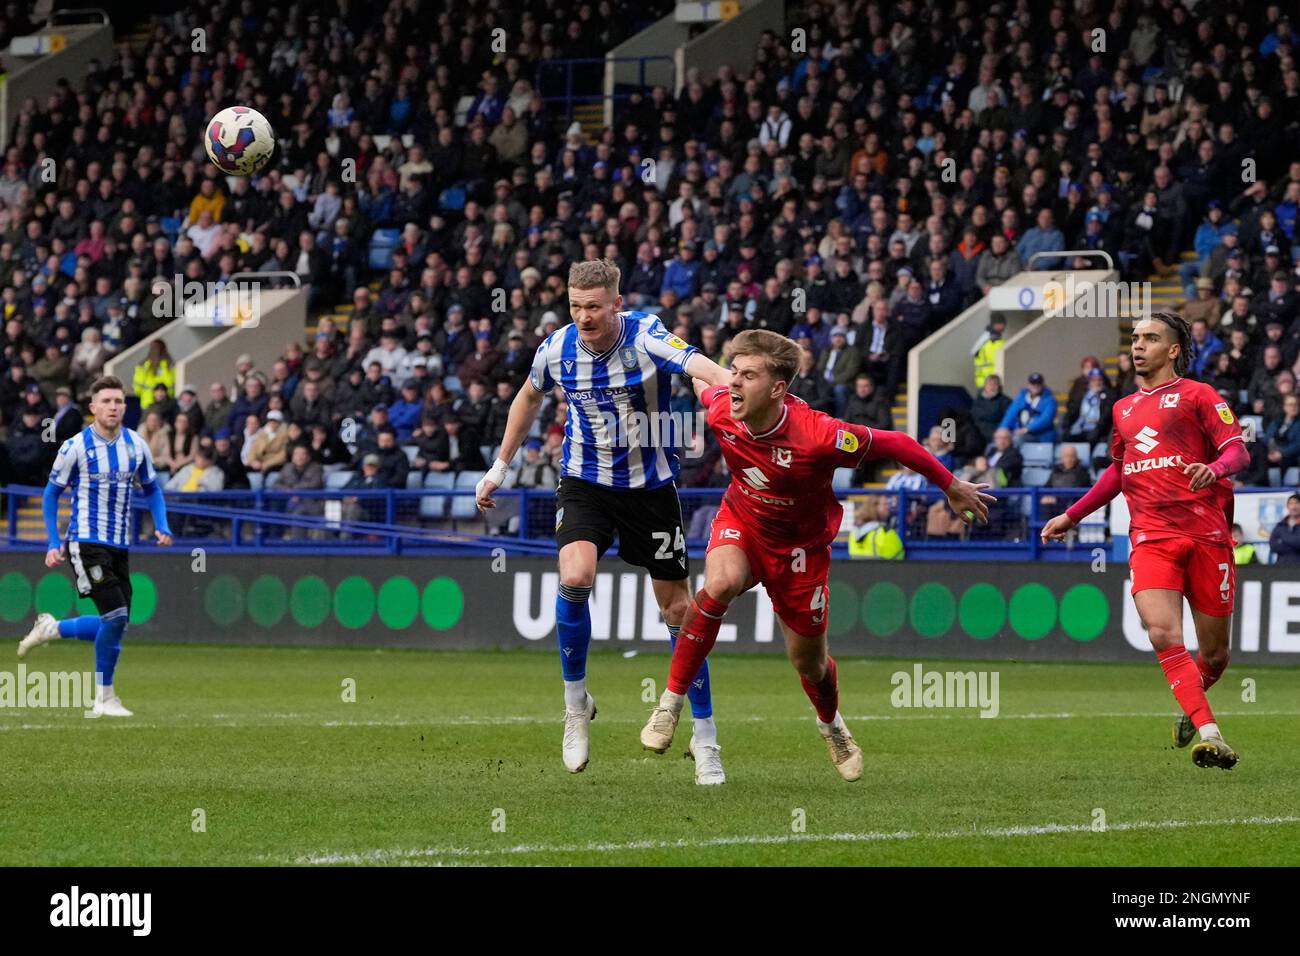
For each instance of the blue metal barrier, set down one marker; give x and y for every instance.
(550, 68)
(395, 521)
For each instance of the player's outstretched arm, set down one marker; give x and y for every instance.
(701, 368)
(523, 412)
(1098, 496)
(968, 500)
(50, 509)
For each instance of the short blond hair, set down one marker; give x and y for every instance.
(779, 353)
(595, 274)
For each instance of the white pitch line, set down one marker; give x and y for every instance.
(223, 721)
(877, 836)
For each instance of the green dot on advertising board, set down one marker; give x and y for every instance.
(144, 598)
(884, 609)
(1033, 611)
(442, 603)
(1084, 612)
(982, 611)
(15, 597)
(843, 598)
(399, 603)
(223, 600)
(55, 595)
(354, 602)
(267, 600)
(309, 601)
(933, 609)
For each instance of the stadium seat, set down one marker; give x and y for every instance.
(452, 199)
(435, 506)
(842, 479)
(414, 480)
(1035, 476)
(1275, 477)
(256, 480)
(1037, 453)
(488, 454)
(463, 506)
(337, 479)
(412, 453)
(272, 480)
(1101, 450)
(1291, 477)
(452, 383)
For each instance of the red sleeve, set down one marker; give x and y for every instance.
(1116, 441)
(1216, 418)
(709, 394)
(1235, 457)
(905, 450)
(1100, 494)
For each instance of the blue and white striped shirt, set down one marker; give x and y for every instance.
(100, 474)
(619, 432)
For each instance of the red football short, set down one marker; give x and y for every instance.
(1205, 573)
(796, 578)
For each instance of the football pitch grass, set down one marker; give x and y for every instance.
(453, 758)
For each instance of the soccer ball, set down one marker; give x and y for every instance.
(239, 140)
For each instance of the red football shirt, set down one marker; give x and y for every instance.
(781, 479)
(1158, 432)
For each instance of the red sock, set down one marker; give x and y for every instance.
(694, 641)
(1209, 675)
(1185, 682)
(825, 694)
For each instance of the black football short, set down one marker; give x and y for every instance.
(102, 573)
(647, 523)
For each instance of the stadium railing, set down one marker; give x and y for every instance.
(548, 78)
(443, 519)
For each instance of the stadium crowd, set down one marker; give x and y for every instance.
(856, 196)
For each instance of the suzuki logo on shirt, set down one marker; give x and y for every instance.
(756, 478)
(1145, 440)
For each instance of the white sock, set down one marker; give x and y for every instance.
(705, 730)
(836, 724)
(575, 695)
(1210, 730)
(106, 692)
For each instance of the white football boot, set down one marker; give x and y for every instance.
(110, 706)
(45, 629)
(708, 763)
(844, 750)
(577, 736)
(657, 734)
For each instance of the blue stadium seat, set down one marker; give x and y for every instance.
(463, 506)
(272, 479)
(414, 480)
(452, 199)
(256, 480)
(488, 454)
(412, 452)
(452, 383)
(842, 479)
(435, 506)
(1291, 477)
(1035, 476)
(337, 479)
(1038, 453)
(382, 243)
